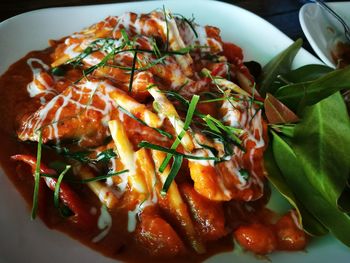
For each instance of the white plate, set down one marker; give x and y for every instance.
(23, 240)
(322, 30)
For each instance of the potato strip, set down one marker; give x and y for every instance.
(165, 107)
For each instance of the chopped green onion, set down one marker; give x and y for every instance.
(164, 133)
(244, 174)
(189, 23)
(125, 35)
(101, 177)
(156, 49)
(189, 116)
(211, 124)
(84, 181)
(172, 174)
(152, 146)
(176, 96)
(132, 71)
(37, 176)
(105, 155)
(218, 124)
(57, 187)
(58, 71)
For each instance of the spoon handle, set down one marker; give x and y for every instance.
(327, 8)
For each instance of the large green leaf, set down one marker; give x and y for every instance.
(310, 224)
(322, 144)
(298, 95)
(304, 73)
(279, 65)
(332, 218)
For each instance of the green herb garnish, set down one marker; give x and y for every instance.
(99, 178)
(172, 174)
(132, 71)
(164, 133)
(89, 180)
(57, 187)
(37, 176)
(58, 71)
(148, 145)
(189, 22)
(176, 143)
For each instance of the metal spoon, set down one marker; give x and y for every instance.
(328, 9)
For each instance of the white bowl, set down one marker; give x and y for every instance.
(322, 30)
(23, 240)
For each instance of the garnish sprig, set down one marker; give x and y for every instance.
(176, 143)
(37, 176)
(160, 131)
(58, 186)
(148, 145)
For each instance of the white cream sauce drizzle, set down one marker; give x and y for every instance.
(33, 88)
(91, 88)
(132, 215)
(240, 114)
(104, 223)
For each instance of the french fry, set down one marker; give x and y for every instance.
(146, 165)
(136, 108)
(127, 156)
(207, 181)
(176, 43)
(103, 192)
(165, 107)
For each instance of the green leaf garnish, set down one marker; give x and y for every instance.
(37, 176)
(58, 185)
(132, 71)
(322, 143)
(84, 156)
(310, 224)
(279, 65)
(157, 147)
(84, 181)
(298, 95)
(58, 71)
(302, 74)
(172, 174)
(176, 143)
(337, 222)
(164, 133)
(99, 178)
(105, 155)
(189, 22)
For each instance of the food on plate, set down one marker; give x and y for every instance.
(146, 136)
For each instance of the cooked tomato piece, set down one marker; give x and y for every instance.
(289, 235)
(257, 238)
(208, 215)
(157, 236)
(232, 52)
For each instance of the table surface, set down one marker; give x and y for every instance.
(281, 13)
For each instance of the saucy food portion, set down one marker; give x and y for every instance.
(143, 137)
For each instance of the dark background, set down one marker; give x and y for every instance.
(281, 13)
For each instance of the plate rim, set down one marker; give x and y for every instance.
(2, 174)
